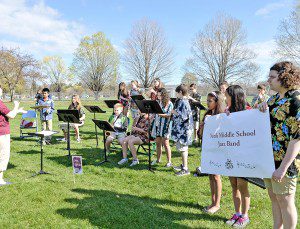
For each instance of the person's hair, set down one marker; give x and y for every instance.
(77, 104)
(118, 105)
(289, 74)
(219, 98)
(165, 98)
(122, 89)
(182, 88)
(46, 90)
(160, 84)
(193, 85)
(135, 82)
(237, 95)
(224, 83)
(261, 86)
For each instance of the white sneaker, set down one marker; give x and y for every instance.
(154, 162)
(134, 162)
(78, 139)
(168, 165)
(123, 161)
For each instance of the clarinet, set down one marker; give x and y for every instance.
(171, 116)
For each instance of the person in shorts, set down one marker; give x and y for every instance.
(284, 109)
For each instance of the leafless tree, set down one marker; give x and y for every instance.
(219, 53)
(288, 38)
(95, 63)
(147, 54)
(15, 67)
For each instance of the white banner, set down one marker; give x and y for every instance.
(238, 145)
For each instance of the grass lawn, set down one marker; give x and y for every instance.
(109, 196)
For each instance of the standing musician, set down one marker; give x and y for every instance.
(124, 97)
(161, 130)
(156, 85)
(195, 97)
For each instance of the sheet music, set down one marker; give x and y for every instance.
(46, 132)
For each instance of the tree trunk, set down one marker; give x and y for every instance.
(96, 95)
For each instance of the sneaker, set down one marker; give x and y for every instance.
(48, 143)
(168, 165)
(154, 162)
(233, 219)
(123, 161)
(241, 222)
(178, 168)
(78, 139)
(182, 172)
(5, 183)
(61, 139)
(134, 162)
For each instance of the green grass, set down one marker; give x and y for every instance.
(109, 196)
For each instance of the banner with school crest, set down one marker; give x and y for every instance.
(238, 145)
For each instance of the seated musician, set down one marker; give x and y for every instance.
(120, 123)
(75, 105)
(138, 136)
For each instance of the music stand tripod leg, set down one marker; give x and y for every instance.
(149, 144)
(42, 152)
(96, 130)
(105, 153)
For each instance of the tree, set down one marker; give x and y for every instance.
(219, 53)
(288, 38)
(95, 62)
(189, 78)
(15, 67)
(54, 69)
(147, 54)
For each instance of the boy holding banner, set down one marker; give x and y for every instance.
(284, 108)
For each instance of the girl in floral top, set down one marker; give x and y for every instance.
(139, 136)
(161, 128)
(284, 108)
(182, 128)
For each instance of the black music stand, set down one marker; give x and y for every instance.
(149, 107)
(256, 181)
(111, 103)
(42, 135)
(105, 126)
(95, 109)
(68, 116)
(137, 97)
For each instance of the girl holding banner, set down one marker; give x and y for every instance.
(284, 108)
(216, 105)
(235, 99)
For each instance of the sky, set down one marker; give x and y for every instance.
(55, 27)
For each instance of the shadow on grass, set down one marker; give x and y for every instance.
(10, 166)
(108, 209)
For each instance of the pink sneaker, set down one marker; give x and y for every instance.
(233, 220)
(241, 222)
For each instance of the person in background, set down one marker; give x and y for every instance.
(284, 109)
(161, 127)
(5, 115)
(46, 114)
(223, 86)
(124, 97)
(76, 105)
(182, 128)
(120, 123)
(261, 97)
(216, 105)
(135, 90)
(156, 85)
(194, 96)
